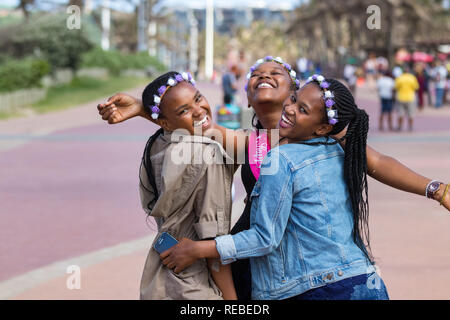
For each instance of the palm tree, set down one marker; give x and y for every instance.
(325, 27)
(23, 5)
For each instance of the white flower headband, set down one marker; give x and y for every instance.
(171, 82)
(280, 61)
(328, 97)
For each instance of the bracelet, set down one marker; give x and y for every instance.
(445, 193)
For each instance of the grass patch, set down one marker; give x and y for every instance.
(83, 90)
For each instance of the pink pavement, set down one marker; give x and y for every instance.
(69, 188)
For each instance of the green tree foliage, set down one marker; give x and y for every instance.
(116, 61)
(46, 37)
(20, 74)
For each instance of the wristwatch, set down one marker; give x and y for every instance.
(432, 188)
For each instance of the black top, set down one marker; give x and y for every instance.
(242, 277)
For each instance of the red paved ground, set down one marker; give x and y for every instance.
(74, 191)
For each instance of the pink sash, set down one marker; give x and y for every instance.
(258, 146)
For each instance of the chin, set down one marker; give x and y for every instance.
(267, 97)
(284, 132)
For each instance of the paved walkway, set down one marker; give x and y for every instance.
(68, 186)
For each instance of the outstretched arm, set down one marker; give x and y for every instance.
(391, 172)
(121, 107)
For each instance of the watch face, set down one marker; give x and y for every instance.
(434, 186)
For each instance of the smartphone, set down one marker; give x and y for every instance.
(164, 242)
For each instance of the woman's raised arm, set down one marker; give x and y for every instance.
(121, 107)
(391, 172)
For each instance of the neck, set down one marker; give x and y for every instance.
(269, 120)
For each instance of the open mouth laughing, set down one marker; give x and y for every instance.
(265, 85)
(285, 122)
(202, 123)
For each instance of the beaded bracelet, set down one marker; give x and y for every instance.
(445, 193)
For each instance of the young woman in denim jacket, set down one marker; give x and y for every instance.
(309, 215)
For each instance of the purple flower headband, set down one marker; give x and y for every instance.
(278, 60)
(328, 97)
(171, 82)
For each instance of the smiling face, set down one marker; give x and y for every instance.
(184, 107)
(303, 116)
(270, 83)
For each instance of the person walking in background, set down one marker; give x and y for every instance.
(229, 83)
(440, 77)
(421, 79)
(397, 71)
(229, 114)
(350, 74)
(386, 86)
(302, 68)
(371, 69)
(406, 85)
(427, 90)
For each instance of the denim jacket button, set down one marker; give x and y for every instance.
(340, 273)
(329, 276)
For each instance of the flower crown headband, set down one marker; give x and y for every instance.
(280, 61)
(171, 82)
(328, 97)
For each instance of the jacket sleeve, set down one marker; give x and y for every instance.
(271, 208)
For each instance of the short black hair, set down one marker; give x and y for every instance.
(152, 89)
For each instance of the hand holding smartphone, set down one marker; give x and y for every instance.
(164, 242)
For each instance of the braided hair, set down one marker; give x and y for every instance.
(355, 160)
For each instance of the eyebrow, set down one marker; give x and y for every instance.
(197, 93)
(280, 68)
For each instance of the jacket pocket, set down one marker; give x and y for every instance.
(198, 267)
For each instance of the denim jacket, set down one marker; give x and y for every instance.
(301, 223)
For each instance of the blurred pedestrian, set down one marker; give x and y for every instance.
(242, 64)
(440, 78)
(229, 83)
(406, 85)
(427, 88)
(382, 65)
(302, 67)
(371, 68)
(421, 79)
(386, 86)
(350, 74)
(229, 114)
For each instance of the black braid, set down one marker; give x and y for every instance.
(148, 100)
(355, 160)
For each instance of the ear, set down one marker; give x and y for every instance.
(163, 123)
(324, 129)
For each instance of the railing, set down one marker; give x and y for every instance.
(11, 101)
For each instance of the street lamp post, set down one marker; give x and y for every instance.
(209, 47)
(106, 24)
(193, 43)
(142, 27)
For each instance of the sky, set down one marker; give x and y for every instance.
(287, 4)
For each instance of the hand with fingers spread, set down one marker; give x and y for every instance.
(121, 107)
(181, 255)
